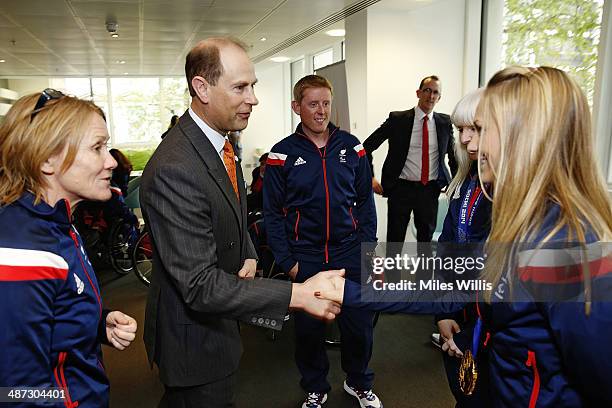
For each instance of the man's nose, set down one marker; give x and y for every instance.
(251, 98)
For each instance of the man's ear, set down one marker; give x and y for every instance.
(295, 106)
(201, 88)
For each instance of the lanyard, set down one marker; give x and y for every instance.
(469, 203)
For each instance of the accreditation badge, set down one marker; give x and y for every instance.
(468, 373)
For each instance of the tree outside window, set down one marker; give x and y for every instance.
(559, 33)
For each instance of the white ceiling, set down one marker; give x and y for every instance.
(69, 37)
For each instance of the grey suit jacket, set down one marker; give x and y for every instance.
(200, 241)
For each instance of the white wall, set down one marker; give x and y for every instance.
(28, 86)
(389, 50)
(356, 27)
(270, 120)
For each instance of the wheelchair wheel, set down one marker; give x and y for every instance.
(119, 247)
(142, 258)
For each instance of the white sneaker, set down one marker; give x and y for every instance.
(367, 399)
(315, 400)
(436, 340)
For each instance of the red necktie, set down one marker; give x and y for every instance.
(230, 165)
(425, 153)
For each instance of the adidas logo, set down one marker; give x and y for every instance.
(299, 161)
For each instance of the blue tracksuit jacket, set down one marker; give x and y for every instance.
(544, 350)
(318, 203)
(50, 306)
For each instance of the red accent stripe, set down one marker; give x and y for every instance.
(361, 153)
(297, 223)
(487, 338)
(13, 273)
(76, 243)
(472, 201)
(275, 162)
(60, 379)
(565, 274)
(326, 206)
(535, 391)
(353, 218)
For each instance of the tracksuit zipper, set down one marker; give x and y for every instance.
(323, 158)
(78, 247)
(531, 362)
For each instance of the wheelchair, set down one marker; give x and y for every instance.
(109, 231)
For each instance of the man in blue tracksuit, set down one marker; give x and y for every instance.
(318, 209)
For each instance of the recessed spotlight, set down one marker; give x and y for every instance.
(263, 39)
(115, 35)
(280, 59)
(125, 73)
(120, 61)
(1, 60)
(336, 33)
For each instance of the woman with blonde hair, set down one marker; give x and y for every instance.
(548, 252)
(53, 155)
(549, 264)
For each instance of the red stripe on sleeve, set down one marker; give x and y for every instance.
(12, 273)
(565, 274)
(361, 153)
(275, 162)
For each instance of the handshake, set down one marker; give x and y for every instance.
(320, 296)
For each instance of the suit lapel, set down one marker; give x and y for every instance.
(211, 159)
(406, 126)
(441, 133)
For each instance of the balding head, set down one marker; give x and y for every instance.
(205, 59)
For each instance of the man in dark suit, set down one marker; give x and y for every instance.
(194, 204)
(414, 171)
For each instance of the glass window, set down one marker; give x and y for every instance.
(139, 110)
(558, 33)
(322, 59)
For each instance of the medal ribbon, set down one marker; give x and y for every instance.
(469, 203)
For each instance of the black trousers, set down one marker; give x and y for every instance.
(218, 394)
(412, 197)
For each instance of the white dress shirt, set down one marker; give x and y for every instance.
(216, 138)
(412, 167)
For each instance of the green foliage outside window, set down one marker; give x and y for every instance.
(559, 33)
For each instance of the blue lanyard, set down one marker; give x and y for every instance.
(469, 203)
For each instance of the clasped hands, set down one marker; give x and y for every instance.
(321, 295)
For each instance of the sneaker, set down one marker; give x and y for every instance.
(367, 399)
(436, 340)
(315, 400)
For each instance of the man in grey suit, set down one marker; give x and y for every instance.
(194, 203)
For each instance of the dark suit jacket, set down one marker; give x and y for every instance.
(398, 130)
(200, 241)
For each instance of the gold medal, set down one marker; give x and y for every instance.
(468, 373)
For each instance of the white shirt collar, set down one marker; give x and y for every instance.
(216, 138)
(418, 112)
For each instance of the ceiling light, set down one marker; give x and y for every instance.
(120, 62)
(263, 39)
(2, 60)
(115, 35)
(125, 73)
(336, 33)
(280, 59)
